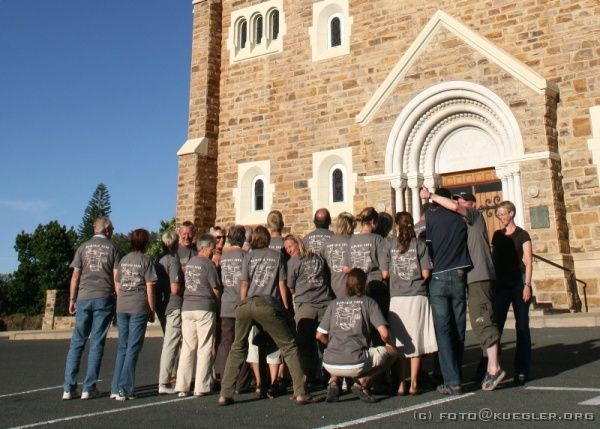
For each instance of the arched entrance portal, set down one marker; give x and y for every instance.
(452, 127)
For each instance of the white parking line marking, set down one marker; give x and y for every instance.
(30, 391)
(572, 389)
(41, 389)
(100, 413)
(396, 412)
(593, 401)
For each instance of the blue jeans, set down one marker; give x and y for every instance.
(505, 296)
(92, 320)
(132, 328)
(448, 305)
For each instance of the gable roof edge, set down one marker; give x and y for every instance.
(516, 68)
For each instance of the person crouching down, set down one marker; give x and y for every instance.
(345, 329)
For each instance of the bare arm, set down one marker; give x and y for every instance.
(244, 289)
(151, 299)
(384, 333)
(176, 289)
(322, 338)
(283, 291)
(73, 286)
(426, 274)
(528, 261)
(447, 203)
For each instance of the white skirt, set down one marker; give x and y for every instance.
(411, 325)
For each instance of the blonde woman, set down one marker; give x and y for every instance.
(513, 257)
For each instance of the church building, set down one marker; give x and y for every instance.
(344, 104)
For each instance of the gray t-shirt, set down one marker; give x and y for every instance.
(168, 271)
(315, 240)
(367, 252)
(276, 243)
(96, 259)
(201, 278)
(134, 271)
(479, 248)
(348, 321)
(308, 276)
(185, 254)
(231, 275)
(335, 252)
(263, 269)
(406, 278)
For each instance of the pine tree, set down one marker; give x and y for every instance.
(98, 206)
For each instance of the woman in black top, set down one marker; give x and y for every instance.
(512, 255)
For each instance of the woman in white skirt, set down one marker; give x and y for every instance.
(410, 319)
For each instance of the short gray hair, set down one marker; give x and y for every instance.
(206, 241)
(101, 224)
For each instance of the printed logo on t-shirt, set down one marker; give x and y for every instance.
(262, 270)
(360, 256)
(347, 314)
(193, 277)
(313, 268)
(404, 264)
(315, 242)
(130, 276)
(95, 256)
(336, 257)
(231, 272)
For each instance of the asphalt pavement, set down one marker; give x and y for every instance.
(564, 390)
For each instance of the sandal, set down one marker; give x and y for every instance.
(362, 392)
(260, 393)
(302, 399)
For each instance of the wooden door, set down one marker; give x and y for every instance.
(487, 190)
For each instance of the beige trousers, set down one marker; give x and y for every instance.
(198, 333)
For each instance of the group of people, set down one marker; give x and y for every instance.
(333, 307)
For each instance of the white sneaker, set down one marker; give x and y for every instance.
(94, 393)
(183, 394)
(123, 397)
(69, 395)
(166, 390)
(114, 396)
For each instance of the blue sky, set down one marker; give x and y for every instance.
(90, 92)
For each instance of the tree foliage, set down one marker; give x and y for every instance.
(98, 206)
(44, 258)
(155, 248)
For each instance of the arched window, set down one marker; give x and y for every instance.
(258, 194)
(274, 25)
(335, 30)
(242, 34)
(258, 29)
(337, 185)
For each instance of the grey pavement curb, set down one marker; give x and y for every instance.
(536, 320)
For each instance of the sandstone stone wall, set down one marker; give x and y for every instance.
(284, 107)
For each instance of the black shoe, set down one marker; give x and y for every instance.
(520, 379)
(333, 393)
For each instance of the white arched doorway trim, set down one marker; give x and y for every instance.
(425, 123)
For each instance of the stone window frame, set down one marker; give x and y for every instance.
(244, 193)
(251, 14)
(320, 32)
(320, 185)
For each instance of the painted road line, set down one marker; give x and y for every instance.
(396, 412)
(26, 392)
(563, 389)
(593, 401)
(100, 413)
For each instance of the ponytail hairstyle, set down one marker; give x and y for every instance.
(367, 215)
(406, 230)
